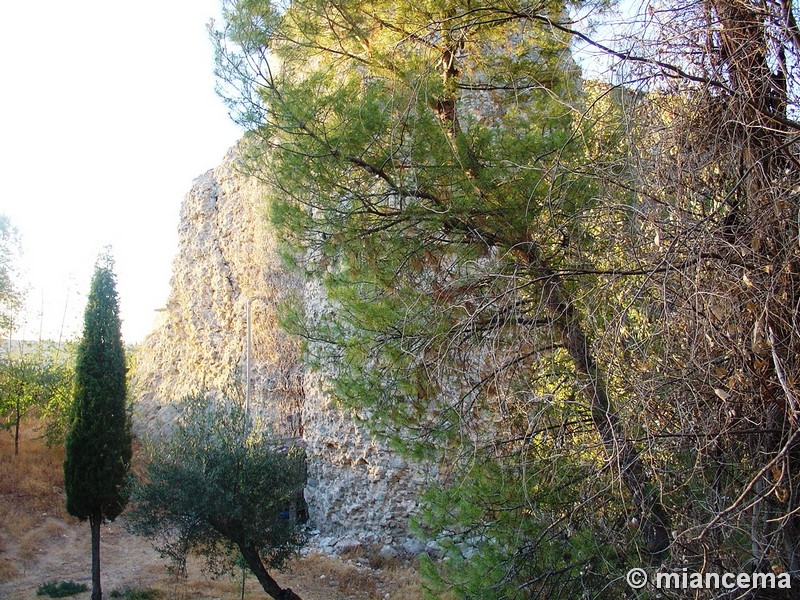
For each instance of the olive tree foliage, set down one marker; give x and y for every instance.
(58, 370)
(441, 166)
(33, 376)
(220, 485)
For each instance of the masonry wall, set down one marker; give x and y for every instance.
(358, 492)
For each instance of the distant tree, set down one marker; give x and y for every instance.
(220, 485)
(98, 444)
(54, 409)
(10, 294)
(34, 380)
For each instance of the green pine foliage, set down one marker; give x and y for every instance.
(435, 165)
(514, 532)
(578, 301)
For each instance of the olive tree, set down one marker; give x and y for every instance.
(219, 486)
(34, 381)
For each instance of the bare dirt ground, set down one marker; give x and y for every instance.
(39, 542)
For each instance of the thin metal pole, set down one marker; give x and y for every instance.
(247, 361)
(247, 356)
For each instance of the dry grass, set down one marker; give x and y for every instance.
(8, 570)
(33, 481)
(37, 537)
(398, 579)
(341, 576)
(315, 577)
(32, 510)
(41, 536)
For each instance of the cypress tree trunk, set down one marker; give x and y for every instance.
(94, 521)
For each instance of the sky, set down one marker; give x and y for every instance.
(107, 114)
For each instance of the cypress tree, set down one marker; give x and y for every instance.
(98, 445)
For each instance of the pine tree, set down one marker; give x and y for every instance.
(98, 445)
(435, 161)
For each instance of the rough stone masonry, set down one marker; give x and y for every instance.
(358, 491)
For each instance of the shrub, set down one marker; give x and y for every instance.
(61, 589)
(129, 593)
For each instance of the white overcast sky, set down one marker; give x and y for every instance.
(107, 114)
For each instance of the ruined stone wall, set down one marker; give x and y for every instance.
(358, 491)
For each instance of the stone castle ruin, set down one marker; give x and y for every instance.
(358, 492)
